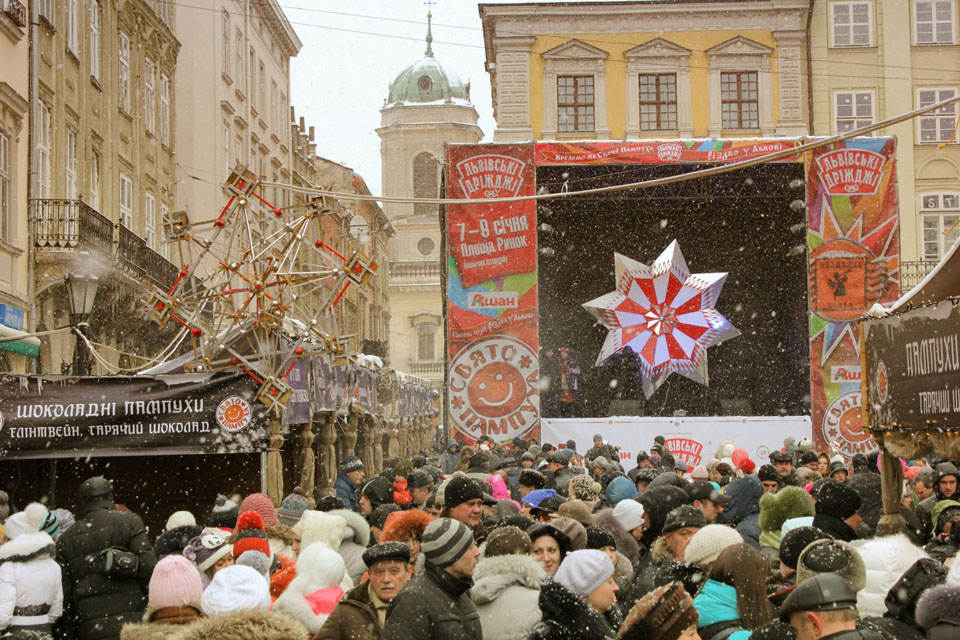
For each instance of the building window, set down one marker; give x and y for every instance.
(238, 42)
(43, 150)
(225, 43)
(226, 151)
(852, 24)
(72, 30)
(126, 201)
(124, 79)
(149, 96)
(426, 342)
(239, 158)
(274, 113)
(740, 100)
(940, 215)
(95, 39)
(426, 183)
(933, 22)
(6, 180)
(45, 10)
(658, 101)
(252, 70)
(164, 218)
(854, 109)
(95, 180)
(165, 109)
(70, 165)
(936, 126)
(262, 87)
(150, 221)
(575, 102)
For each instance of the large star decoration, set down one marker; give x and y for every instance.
(665, 315)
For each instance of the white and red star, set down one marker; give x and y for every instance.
(665, 315)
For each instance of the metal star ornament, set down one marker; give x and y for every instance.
(665, 314)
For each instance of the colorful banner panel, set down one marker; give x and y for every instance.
(913, 366)
(658, 151)
(853, 246)
(494, 372)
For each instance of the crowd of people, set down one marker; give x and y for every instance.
(513, 541)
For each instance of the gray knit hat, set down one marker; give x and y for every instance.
(444, 541)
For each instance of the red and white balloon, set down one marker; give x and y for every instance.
(665, 314)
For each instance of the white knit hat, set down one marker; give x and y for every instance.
(707, 543)
(628, 514)
(235, 588)
(584, 571)
(30, 520)
(180, 519)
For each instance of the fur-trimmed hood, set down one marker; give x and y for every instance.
(319, 526)
(940, 605)
(626, 543)
(493, 575)
(317, 568)
(357, 530)
(148, 630)
(661, 553)
(28, 546)
(242, 625)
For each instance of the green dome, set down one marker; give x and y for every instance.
(427, 81)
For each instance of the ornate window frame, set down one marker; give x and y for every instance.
(741, 54)
(659, 56)
(575, 57)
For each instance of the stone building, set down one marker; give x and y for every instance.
(427, 106)
(875, 60)
(102, 171)
(15, 286)
(659, 69)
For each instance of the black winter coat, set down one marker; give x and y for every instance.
(867, 485)
(834, 527)
(97, 605)
(433, 606)
(567, 616)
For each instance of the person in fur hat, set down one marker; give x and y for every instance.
(938, 612)
(407, 527)
(31, 588)
(507, 585)
(320, 584)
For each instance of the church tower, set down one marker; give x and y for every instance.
(427, 106)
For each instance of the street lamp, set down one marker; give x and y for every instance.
(81, 294)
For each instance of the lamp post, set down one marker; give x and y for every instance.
(81, 294)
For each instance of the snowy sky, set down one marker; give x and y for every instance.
(351, 52)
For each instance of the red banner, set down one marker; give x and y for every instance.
(494, 370)
(658, 151)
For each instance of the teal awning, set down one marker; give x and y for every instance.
(25, 345)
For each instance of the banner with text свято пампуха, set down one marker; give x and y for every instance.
(493, 371)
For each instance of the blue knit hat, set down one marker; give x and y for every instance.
(534, 498)
(620, 488)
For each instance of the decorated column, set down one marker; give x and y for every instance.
(327, 449)
(307, 462)
(275, 462)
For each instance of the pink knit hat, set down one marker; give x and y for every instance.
(500, 491)
(261, 503)
(175, 582)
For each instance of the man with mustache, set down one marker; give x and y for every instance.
(363, 610)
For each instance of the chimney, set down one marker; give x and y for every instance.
(311, 134)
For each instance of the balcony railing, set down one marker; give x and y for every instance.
(15, 10)
(426, 368)
(911, 273)
(75, 225)
(134, 254)
(415, 269)
(70, 224)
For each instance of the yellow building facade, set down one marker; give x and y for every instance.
(646, 69)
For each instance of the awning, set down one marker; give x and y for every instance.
(26, 345)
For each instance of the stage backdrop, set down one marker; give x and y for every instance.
(694, 440)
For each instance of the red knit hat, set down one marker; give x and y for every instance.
(250, 535)
(261, 503)
(747, 465)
